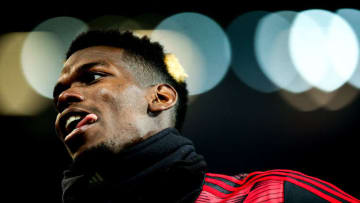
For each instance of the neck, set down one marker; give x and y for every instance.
(165, 165)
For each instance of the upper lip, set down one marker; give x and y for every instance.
(66, 114)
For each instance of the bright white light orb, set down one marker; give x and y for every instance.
(16, 96)
(272, 51)
(324, 49)
(43, 52)
(352, 16)
(241, 32)
(201, 46)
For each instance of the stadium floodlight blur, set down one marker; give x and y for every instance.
(307, 56)
(201, 46)
(272, 51)
(43, 53)
(324, 49)
(114, 22)
(352, 16)
(314, 98)
(244, 64)
(17, 98)
(302, 53)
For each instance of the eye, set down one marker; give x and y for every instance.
(97, 76)
(91, 77)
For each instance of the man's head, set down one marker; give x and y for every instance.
(114, 91)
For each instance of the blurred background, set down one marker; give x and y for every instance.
(272, 86)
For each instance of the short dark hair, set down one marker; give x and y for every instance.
(146, 56)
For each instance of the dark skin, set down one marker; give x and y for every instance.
(115, 110)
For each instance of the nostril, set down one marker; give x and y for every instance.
(67, 98)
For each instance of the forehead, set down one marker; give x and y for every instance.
(111, 55)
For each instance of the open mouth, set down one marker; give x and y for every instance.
(75, 122)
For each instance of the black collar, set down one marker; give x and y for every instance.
(163, 168)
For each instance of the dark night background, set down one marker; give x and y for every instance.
(236, 128)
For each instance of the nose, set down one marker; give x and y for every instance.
(67, 98)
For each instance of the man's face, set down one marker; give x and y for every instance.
(99, 101)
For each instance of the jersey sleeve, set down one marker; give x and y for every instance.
(270, 186)
(299, 187)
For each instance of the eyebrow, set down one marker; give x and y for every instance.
(60, 87)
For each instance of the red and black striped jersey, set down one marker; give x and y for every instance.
(270, 186)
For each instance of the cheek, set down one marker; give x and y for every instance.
(128, 101)
(135, 99)
(110, 95)
(107, 101)
(106, 94)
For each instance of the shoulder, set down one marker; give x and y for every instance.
(270, 186)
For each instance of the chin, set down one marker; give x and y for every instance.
(93, 152)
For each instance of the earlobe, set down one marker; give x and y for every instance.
(162, 97)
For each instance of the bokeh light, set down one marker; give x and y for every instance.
(345, 96)
(272, 52)
(140, 25)
(201, 46)
(268, 51)
(314, 98)
(324, 48)
(241, 33)
(16, 96)
(148, 23)
(44, 49)
(302, 101)
(352, 16)
(114, 22)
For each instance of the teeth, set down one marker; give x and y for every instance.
(71, 119)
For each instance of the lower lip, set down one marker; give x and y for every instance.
(77, 131)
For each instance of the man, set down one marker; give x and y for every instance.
(121, 104)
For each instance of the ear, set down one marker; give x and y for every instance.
(161, 97)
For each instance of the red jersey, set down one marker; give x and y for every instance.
(270, 186)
